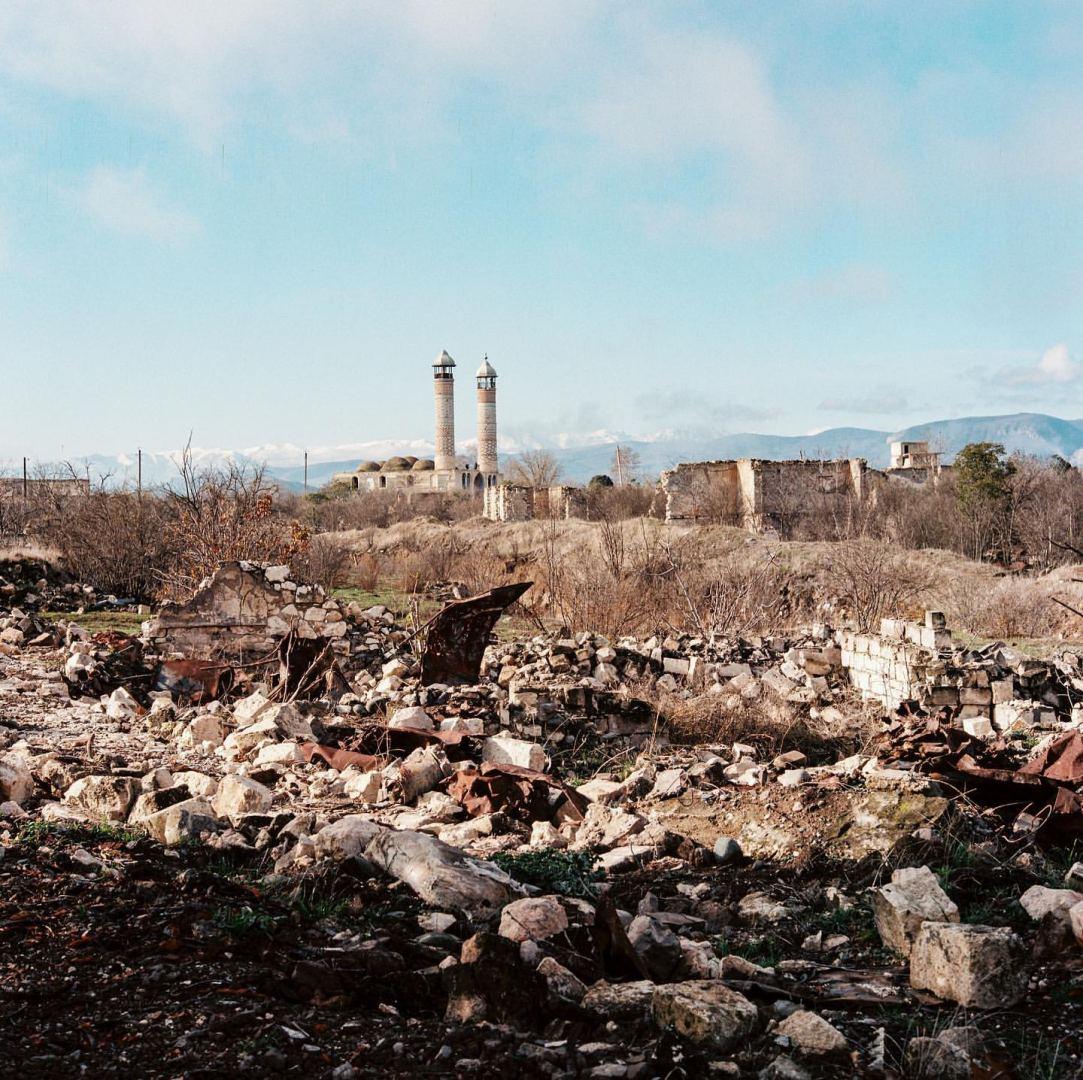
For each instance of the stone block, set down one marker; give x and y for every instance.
(976, 966)
(705, 1012)
(911, 898)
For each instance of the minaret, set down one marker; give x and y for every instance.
(487, 464)
(443, 373)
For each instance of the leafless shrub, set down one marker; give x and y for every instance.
(326, 561)
(762, 721)
(365, 573)
(1009, 608)
(535, 468)
(214, 517)
(114, 541)
(589, 591)
(871, 581)
(732, 596)
(620, 503)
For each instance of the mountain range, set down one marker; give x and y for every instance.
(581, 458)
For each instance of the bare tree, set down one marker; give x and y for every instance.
(218, 516)
(626, 465)
(535, 468)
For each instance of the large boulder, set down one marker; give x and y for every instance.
(492, 983)
(104, 798)
(241, 743)
(507, 750)
(705, 1012)
(812, 1036)
(183, 821)
(658, 947)
(534, 918)
(619, 1001)
(442, 875)
(411, 718)
(977, 966)
(238, 795)
(16, 783)
(912, 897)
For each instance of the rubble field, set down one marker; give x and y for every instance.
(278, 833)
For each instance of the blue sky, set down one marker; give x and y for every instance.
(260, 221)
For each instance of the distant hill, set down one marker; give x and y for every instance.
(1025, 433)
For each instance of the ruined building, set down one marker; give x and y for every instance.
(758, 494)
(520, 502)
(915, 461)
(445, 471)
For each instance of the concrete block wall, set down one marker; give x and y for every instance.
(888, 670)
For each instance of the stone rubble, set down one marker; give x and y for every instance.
(246, 777)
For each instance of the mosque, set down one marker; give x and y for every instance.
(446, 471)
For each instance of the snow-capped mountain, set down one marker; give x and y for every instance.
(582, 455)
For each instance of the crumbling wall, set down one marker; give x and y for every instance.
(567, 502)
(508, 502)
(759, 494)
(708, 490)
(920, 662)
(887, 670)
(514, 502)
(243, 611)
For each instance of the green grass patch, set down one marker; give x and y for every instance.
(245, 921)
(571, 873)
(41, 832)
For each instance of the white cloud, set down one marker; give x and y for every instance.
(122, 200)
(1054, 366)
(200, 63)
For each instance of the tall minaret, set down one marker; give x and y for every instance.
(487, 463)
(443, 373)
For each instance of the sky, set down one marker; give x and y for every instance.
(258, 222)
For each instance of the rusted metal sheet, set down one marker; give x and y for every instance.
(197, 681)
(518, 792)
(335, 758)
(456, 638)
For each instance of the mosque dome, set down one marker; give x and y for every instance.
(423, 465)
(368, 466)
(395, 464)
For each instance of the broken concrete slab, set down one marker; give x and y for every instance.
(442, 875)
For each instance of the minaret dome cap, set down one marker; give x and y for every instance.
(443, 360)
(486, 371)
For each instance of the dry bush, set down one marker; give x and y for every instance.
(772, 726)
(730, 596)
(215, 517)
(115, 541)
(327, 562)
(1008, 608)
(534, 468)
(620, 503)
(366, 572)
(871, 581)
(589, 590)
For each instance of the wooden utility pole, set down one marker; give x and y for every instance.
(26, 482)
(306, 472)
(139, 471)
